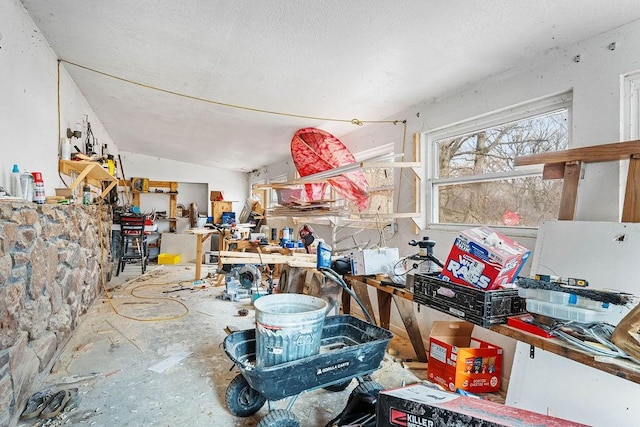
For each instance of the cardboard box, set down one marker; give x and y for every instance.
(458, 361)
(419, 405)
(374, 261)
(485, 259)
(215, 196)
(218, 208)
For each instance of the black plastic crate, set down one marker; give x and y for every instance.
(484, 308)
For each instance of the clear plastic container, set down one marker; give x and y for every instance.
(592, 304)
(556, 297)
(565, 298)
(564, 312)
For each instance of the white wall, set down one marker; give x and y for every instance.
(29, 101)
(29, 116)
(234, 185)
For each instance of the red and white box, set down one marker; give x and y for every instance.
(485, 259)
(459, 361)
(419, 405)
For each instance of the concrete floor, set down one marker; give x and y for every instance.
(109, 357)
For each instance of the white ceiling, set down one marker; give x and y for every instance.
(343, 59)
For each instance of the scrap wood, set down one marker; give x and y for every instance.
(254, 254)
(415, 365)
(230, 329)
(290, 263)
(294, 260)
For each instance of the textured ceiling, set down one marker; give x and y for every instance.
(365, 59)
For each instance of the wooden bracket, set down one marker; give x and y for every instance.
(631, 207)
(567, 164)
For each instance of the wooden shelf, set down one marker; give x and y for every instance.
(552, 345)
(90, 172)
(556, 346)
(172, 186)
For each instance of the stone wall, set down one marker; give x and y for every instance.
(50, 273)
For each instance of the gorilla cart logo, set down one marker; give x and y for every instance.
(405, 419)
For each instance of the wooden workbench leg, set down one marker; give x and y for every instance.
(384, 308)
(361, 290)
(198, 256)
(408, 315)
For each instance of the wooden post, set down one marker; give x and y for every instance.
(630, 209)
(569, 190)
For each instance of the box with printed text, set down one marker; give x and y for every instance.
(419, 405)
(485, 259)
(458, 361)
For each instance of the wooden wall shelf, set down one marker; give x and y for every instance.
(552, 345)
(171, 191)
(90, 172)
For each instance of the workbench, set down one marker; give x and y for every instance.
(202, 235)
(404, 301)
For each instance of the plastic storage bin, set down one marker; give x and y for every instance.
(169, 259)
(558, 297)
(564, 312)
(484, 308)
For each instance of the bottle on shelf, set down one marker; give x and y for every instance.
(16, 189)
(65, 149)
(26, 184)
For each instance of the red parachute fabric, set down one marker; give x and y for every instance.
(314, 150)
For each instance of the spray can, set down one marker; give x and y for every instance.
(38, 188)
(16, 189)
(86, 195)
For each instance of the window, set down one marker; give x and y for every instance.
(472, 178)
(380, 190)
(272, 196)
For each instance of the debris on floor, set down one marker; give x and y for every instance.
(113, 375)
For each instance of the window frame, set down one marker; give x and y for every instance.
(529, 109)
(381, 154)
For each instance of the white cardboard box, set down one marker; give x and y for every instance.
(374, 261)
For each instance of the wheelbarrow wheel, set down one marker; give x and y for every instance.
(280, 418)
(242, 400)
(368, 387)
(338, 387)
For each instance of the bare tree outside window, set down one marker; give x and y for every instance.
(490, 196)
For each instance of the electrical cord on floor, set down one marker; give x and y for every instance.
(108, 296)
